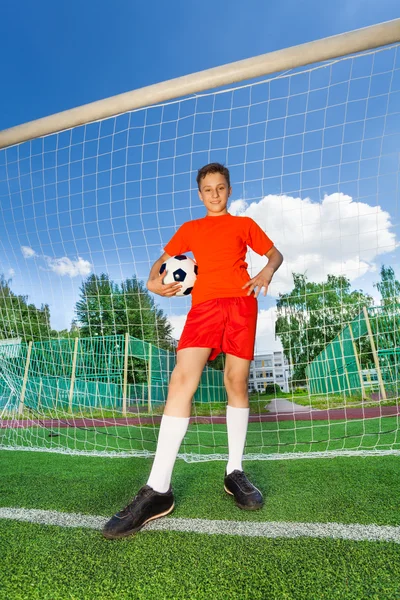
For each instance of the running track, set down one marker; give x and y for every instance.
(337, 414)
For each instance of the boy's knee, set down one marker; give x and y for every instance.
(182, 378)
(235, 381)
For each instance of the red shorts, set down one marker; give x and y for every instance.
(224, 325)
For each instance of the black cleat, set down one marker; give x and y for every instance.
(246, 495)
(146, 506)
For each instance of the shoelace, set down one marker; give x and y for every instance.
(244, 482)
(143, 492)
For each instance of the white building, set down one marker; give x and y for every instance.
(267, 369)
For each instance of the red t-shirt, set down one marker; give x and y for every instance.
(219, 245)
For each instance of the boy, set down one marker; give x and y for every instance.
(222, 319)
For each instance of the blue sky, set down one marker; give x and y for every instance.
(59, 55)
(65, 199)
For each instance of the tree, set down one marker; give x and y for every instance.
(389, 288)
(73, 332)
(312, 314)
(20, 319)
(218, 363)
(106, 308)
(96, 308)
(386, 325)
(138, 314)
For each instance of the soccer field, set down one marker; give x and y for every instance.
(329, 529)
(204, 439)
(134, 139)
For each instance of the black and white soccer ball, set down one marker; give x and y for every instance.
(180, 269)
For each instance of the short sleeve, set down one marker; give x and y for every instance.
(179, 243)
(257, 239)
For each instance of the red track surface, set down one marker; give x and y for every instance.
(337, 414)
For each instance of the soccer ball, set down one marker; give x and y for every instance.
(180, 269)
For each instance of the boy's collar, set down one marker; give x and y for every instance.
(215, 216)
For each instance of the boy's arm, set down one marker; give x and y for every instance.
(155, 282)
(263, 279)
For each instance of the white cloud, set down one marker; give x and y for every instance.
(27, 252)
(11, 272)
(62, 266)
(337, 236)
(238, 207)
(265, 334)
(66, 266)
(177, 322)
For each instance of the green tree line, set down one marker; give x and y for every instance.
(18, 318)
(312, 314)
(308, 317)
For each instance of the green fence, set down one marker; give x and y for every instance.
(89, 373)
(365, 354)
(335, 369)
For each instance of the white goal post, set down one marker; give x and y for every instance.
(90, 196)
(317, 51)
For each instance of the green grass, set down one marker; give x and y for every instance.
(339, 401)
(48, 562)
(257, 402)
(201, 409)
(273, 437)
(365, 490)
(257, 406)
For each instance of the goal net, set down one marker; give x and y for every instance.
(87, 352)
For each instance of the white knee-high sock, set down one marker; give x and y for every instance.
(172, 432)
(236, 423)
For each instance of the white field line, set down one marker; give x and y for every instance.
(355, 531)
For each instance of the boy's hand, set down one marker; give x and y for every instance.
(163, 289)
(262, 280)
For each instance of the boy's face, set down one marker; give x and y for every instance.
(214, 193)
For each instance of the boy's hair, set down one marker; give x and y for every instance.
(213, 168)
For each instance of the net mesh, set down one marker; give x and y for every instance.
(352, 361)
(87, 353)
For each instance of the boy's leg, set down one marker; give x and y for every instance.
(247, 496)
(152, 503)
(237, 412)
(174, 423)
